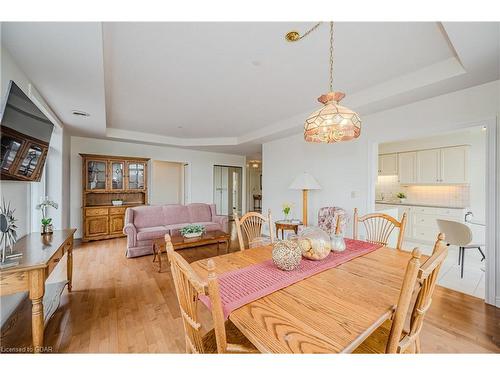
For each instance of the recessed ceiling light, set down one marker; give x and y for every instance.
(179, 127)
(80, 113)
(483, 128)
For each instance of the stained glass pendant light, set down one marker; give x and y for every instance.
(333, 122)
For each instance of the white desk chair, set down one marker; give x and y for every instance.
(459, 234)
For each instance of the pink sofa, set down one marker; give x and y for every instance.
(143, 224)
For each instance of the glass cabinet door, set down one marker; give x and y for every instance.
(96, 175)
(117, 174)
(136, 175)
(30, 161)
(10, 147)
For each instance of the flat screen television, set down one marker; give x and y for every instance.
(25, 135)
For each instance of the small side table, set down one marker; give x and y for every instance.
(284, 225)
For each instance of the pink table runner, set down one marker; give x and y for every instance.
(245, 285)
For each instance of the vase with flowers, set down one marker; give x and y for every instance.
(287, 209)
(47, 227)
(402, 197)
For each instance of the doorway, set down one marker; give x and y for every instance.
(228, 189)
(167, 182)
(441, 177)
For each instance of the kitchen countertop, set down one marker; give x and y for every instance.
(396, 203)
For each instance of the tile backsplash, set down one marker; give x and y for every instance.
(450, 195)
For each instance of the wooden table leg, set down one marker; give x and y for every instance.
(158, 252)
(227, 246)
(69, 268)
(36, 292)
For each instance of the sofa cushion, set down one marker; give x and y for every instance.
(199, 212)
(151, 233)
(175, 214)
(148, 216)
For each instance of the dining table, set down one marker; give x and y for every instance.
(330, 312)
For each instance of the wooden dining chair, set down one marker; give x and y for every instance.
(418, 285)
(251, 224)
(379, 226)
(224, 337)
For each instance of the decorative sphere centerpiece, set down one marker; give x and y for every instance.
(286, 255)
(314, 243)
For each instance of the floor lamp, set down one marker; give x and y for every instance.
(304, 182)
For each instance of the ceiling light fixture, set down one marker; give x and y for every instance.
(332, 123)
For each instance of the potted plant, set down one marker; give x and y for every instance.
(287, 208)
(116, 201)
(192, 230)
(402, 197)
(47, 227)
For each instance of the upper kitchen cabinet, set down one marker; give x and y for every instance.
(428, 166)
(455, 165)
(407, 165)
(388, 165)
(446, 165)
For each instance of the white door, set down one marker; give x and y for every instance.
(220, 189)
(407, 167)
(388, 165)
(428, 166)
(454, 165)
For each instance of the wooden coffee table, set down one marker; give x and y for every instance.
(179, 242)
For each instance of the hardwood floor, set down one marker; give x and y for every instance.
(121, 305)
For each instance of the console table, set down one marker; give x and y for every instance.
(40, 254)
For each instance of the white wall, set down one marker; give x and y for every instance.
(166, 182)
(200, 167)
(17, 192)
(347, 171)
(23, 196)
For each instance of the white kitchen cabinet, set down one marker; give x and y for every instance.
(446, 165)
(388, 165)
(455, 165)
(421, 224)
(424, 227)
(428, 166)
(407, 167)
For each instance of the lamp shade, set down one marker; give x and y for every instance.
(333, 122)
(305, 181)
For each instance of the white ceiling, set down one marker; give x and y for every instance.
(231, 86)
(65, 63)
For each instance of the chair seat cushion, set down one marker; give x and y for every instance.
(233, 336)
(151, 233)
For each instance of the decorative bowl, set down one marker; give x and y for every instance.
(192, 235)
(314, 243)
(116, 203)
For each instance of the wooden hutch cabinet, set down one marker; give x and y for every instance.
(107, 178)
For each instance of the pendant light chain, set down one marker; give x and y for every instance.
(331, 56)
